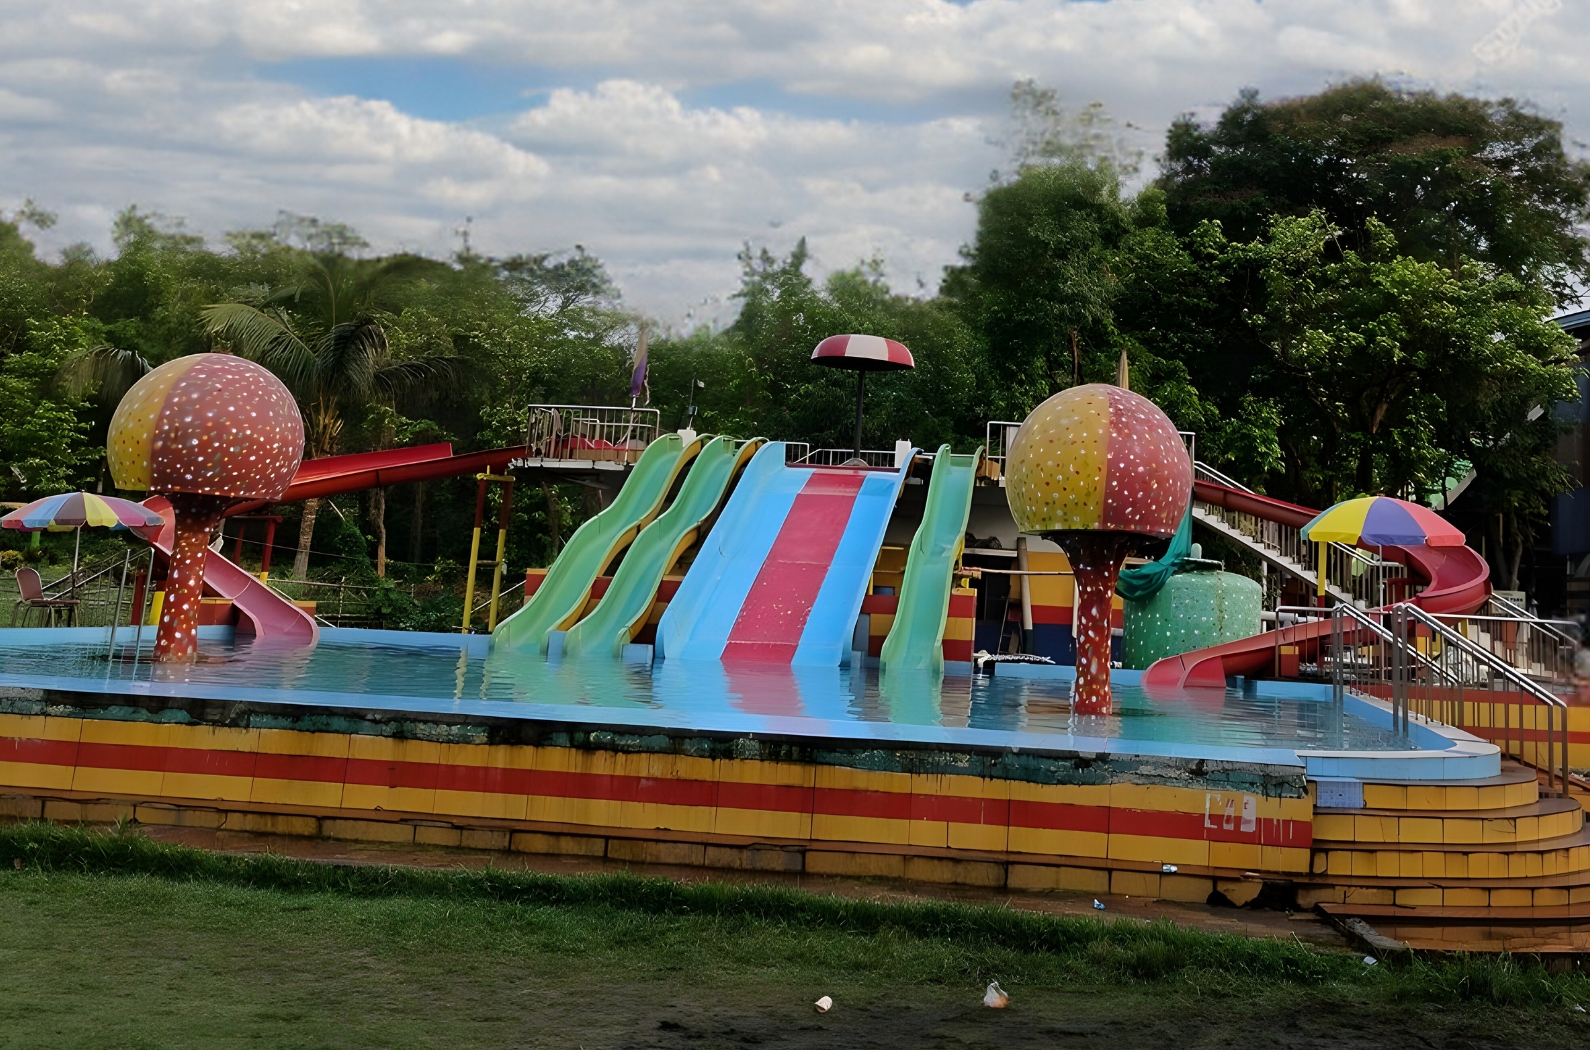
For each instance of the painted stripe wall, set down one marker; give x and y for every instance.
(359, 774)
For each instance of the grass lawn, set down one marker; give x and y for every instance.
(109, 940)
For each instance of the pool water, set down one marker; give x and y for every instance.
(693, 695)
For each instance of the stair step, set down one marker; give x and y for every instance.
(1547, 818)
(1568, 854)
(1515, 785)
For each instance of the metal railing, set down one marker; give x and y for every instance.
(598, 433)
(1350, 574)
(838, 457)
(1424, 668)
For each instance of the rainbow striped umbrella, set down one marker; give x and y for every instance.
(73, 510)
(1380, 521)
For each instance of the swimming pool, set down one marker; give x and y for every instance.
(442, 674)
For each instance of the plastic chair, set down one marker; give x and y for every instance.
(32, 589)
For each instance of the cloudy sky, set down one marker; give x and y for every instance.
(663, 134)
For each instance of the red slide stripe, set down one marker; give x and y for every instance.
(770, 623)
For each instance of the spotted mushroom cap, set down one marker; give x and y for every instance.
(210, 423)
(1098, 457)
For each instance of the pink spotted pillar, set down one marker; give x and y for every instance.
(1095, 559)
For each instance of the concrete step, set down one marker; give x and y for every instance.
(1547, 818)
(1268, 553)
(1515, 785)
(1569, 854)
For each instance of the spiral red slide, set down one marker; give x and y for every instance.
(1457, 580)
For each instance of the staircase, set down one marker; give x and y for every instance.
(1350, 575)
(1479, 865)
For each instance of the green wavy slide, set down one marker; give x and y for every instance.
(563, 594)
(623, 610)
(916, 640)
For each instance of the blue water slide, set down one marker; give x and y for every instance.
(832, 623)
(702, 612)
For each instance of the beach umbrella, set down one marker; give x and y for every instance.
(862, 354)
(1378, 521)
(74, 510)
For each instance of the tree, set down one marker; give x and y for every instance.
(1451, 177)
(325, 335)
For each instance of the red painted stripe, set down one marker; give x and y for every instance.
(38, 751)
(774, 614)
(1059, 816)
(317, 768)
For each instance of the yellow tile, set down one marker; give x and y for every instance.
(834, 828)
(267, 791)
(293, 742)
(206, 786)
(1134, 883)
(762, 823)
(1460, 831)
(494, 804)
(1464, 897)
(213, 738)
(1550, 897)
(1419, 896)
(1459, 796)
(1336, 826)
(1059, 842)
(1420, 830)
(135, 734)
(35, 775)
(1386, 796)
(846, 779)
(1498, 829)
(1085, 880)
(1511, 898)
(991, 837)
(1419, 796)
(1158, 850)
(1409, 864)
(1388, 863)
(752, 771)
(1338, 862)
(1283, 859)
(1244, 855)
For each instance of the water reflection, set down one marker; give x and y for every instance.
(695, 693)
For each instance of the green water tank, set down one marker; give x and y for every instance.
(1199, 606)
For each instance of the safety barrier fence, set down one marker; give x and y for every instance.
(600, 433)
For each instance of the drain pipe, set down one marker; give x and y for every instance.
(1026, 595)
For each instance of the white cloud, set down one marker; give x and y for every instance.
(860, 125)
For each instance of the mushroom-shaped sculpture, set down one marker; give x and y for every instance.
(862, 354)
(1098, 470)
(204, 431)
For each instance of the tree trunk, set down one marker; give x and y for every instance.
(554, 520)
(416, 522)
(306, 533)
(378, 521)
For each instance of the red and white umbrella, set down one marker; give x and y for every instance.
(862, 354)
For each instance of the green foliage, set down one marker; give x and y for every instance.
(1452, 177)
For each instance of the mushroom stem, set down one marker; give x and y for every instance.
(1095, 562)
(177, 640)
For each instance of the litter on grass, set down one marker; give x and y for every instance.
(995, 998)
(1370, 960)
(824, 1004)
(1098, 905)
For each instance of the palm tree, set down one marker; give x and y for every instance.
(325, 335)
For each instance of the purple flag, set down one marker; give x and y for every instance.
(637, 381)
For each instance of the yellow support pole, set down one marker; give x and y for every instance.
(1322, 573)
(504, 515)
(474, 553)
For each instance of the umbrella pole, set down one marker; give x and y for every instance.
(77, 545)
(861, 392)
(1322, 575)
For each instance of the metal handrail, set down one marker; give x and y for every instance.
(1514, 612)
(1506, 671)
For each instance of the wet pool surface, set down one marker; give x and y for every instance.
(692, 695)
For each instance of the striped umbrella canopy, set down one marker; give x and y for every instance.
(1381, 521)
(74, 510)
(863, 353)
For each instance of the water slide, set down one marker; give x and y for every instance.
(780, 578)
(261, 611)
(567, 587)
(916, 639)
(624, 608)
(1457, 581)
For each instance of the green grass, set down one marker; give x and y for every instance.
(109, 939)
